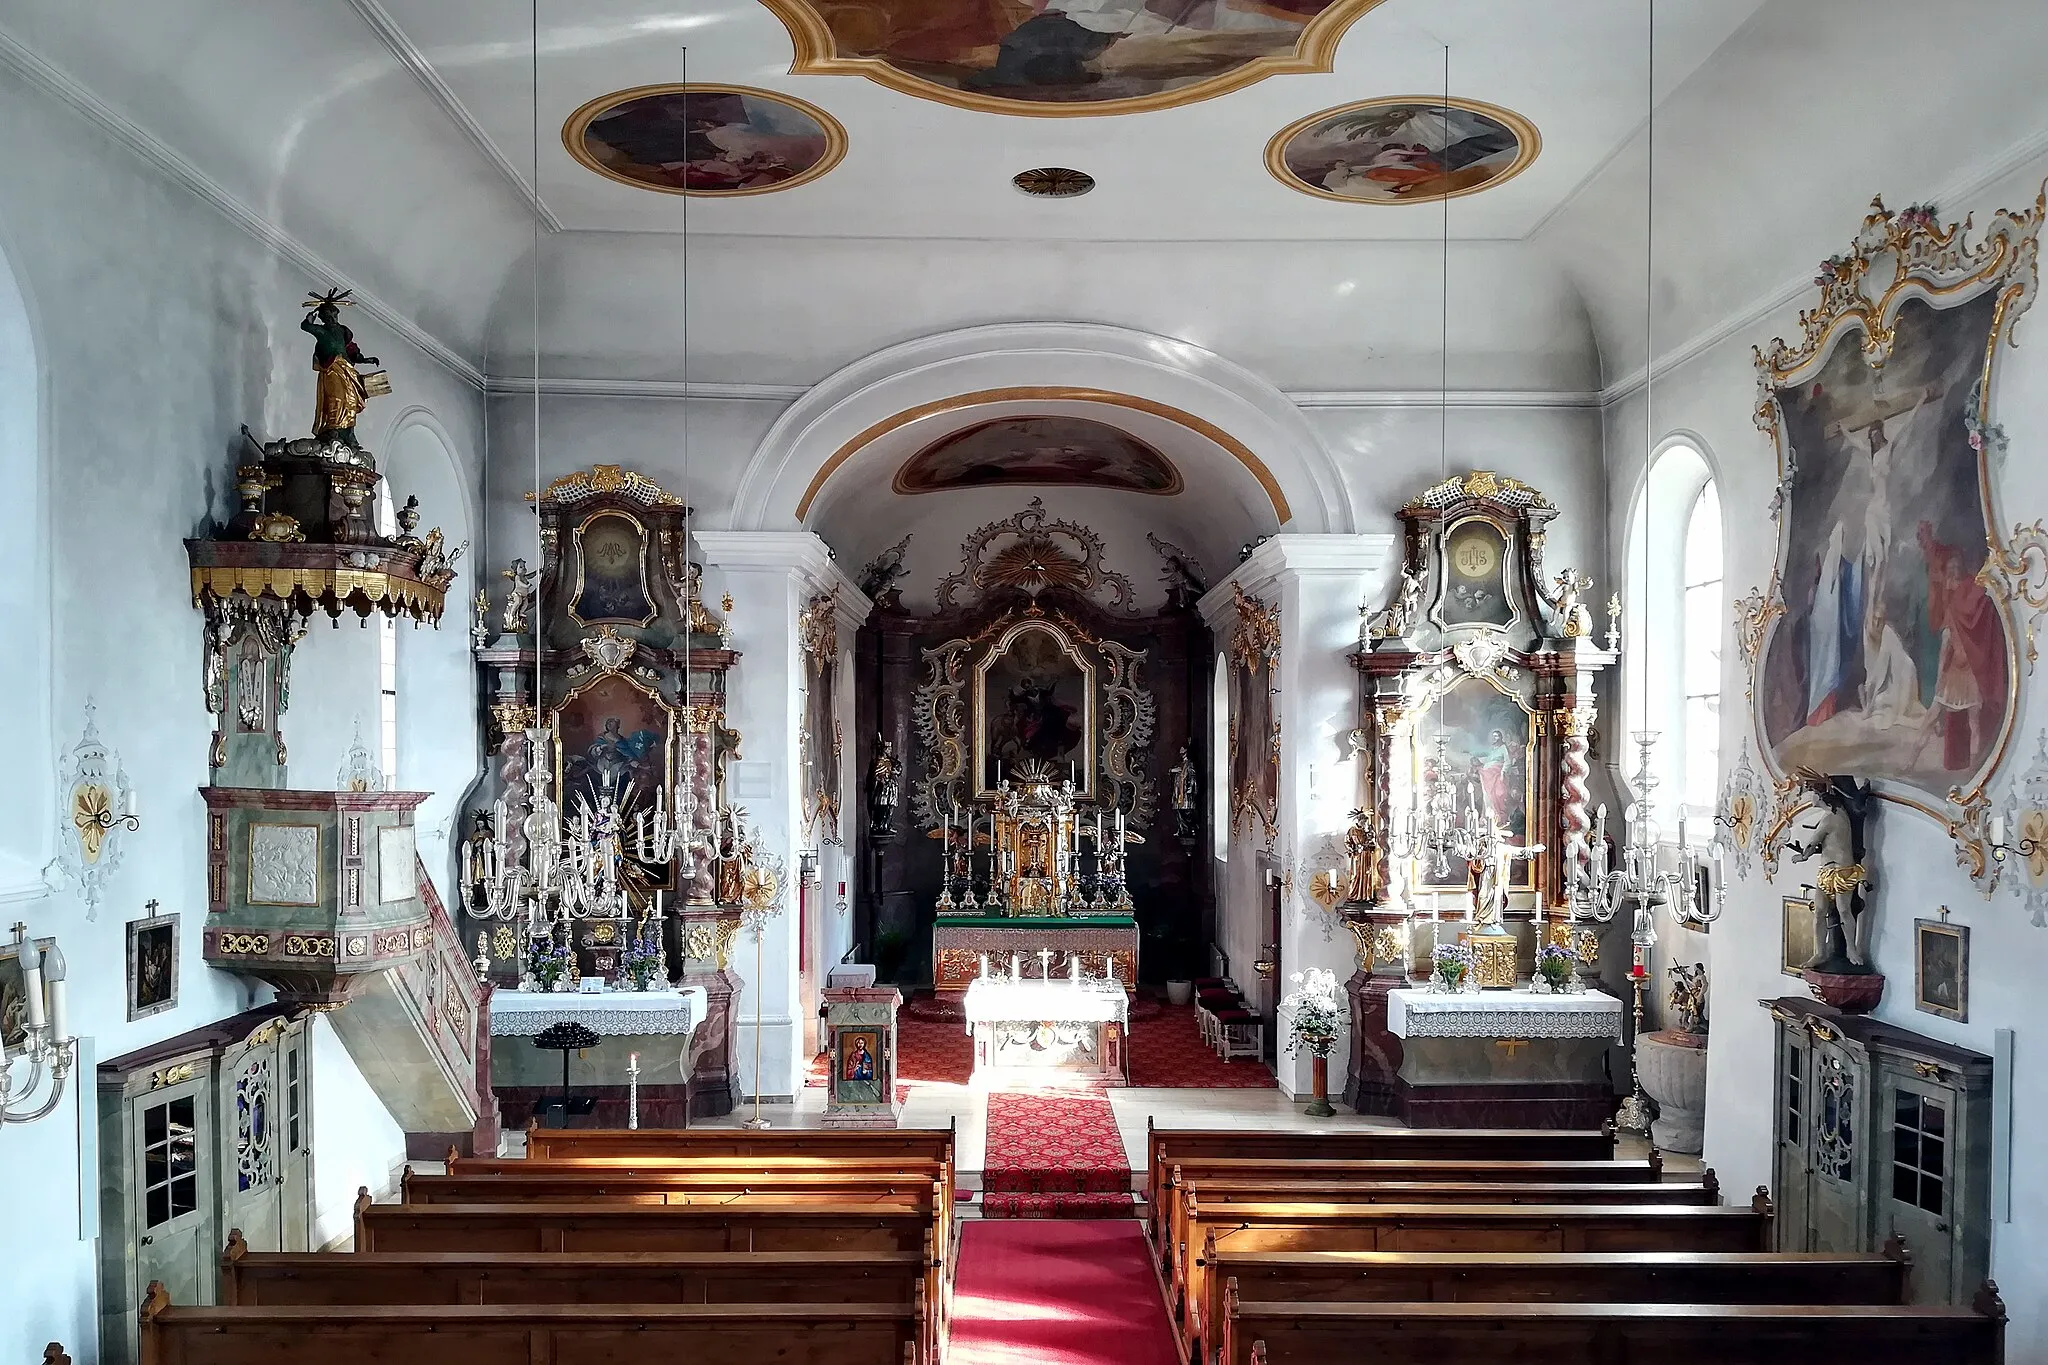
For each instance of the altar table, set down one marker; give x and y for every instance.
(1026, 1029)
(1504, 1058)
(960, 941)
(660, 1026)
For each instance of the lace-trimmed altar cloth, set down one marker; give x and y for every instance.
(1415, 1013)
(993, 1001)
(523, 1014)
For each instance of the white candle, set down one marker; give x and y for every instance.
(128, 804)
(1998, 829)
(31, 960)
(58, 1021)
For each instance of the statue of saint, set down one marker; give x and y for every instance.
(1490, 880)
(341, 391)
(885, 783)
(1841, 906)
(1362, 860)
(1185, 783)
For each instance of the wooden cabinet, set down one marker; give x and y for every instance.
(201, 1133)
(1881, 1132)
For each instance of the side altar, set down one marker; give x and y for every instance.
(1030, 876)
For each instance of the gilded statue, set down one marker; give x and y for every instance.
(342, 389)
(1400, 615)
(1363, 867)
(1841, 900)
(517, 598)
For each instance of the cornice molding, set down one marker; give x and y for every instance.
(803, 555)
(1279, 560)
(1462, 399)
(67, 90)
(669, 390)
(412, 59)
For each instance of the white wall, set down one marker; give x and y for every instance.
(1714, 396)
(160, 329)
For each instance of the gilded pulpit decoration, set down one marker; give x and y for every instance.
(1895, 657)
(96, 809)
(818, 739)
(1254, 657)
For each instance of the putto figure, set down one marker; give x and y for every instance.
(342, 390)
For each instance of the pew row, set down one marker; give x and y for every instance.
(1451, 1227)
(326, 1279)
(1298, 1277)
(503, 1334)
(666, 1188)
(1166, 1146)
(1299, 1191)
(1620, 1333)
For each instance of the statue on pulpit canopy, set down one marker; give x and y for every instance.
(342, 390)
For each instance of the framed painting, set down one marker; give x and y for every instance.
(614, 741)
(1254, 718)
(1885, 648)
(1402, 150)
(152, 966)
(611, 573)
(857, 1069)
(1489, 747)
(1056, 451)
(1034, 702)
(1478, 555)
(1796, 941)
(1941, 969)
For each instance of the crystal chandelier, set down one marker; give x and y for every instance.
(1451, 828)
(1597, 890)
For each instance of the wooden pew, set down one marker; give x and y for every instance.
(1165, 1146)
(521, 1334)
(1454, 1227)
(1298, 1277)
(1298, 1189)
(277, 1279)
(667, 1188)
(1620, 1333)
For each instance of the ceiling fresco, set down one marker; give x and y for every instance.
(1066, 56)
(1405, 150)
(714, 140)
(1052, 451)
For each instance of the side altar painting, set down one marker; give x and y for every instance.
(1889, 644)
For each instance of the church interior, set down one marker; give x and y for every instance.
(1173, 682)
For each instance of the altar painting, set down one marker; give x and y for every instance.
(611, 573)
(1489, 752)
(857, 1070)
(1097, 56)
(613, 736)
(1891, 661)
(1035, 702)
(1476, 564)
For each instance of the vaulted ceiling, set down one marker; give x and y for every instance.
(416, 145)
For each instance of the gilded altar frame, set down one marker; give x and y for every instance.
(647, 546)
(1070, 648)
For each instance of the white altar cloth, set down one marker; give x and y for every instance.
(1413, 1013)
(613, 1014)
(994, 1000)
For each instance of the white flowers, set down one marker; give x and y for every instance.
(1312, 1012)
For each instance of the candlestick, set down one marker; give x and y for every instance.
(633, 1090)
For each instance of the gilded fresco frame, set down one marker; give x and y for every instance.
(1528, 139)
(1895, 258)
(816, 53)
(1254, 659)
(999, 649)
(578, 124)
(647, 544)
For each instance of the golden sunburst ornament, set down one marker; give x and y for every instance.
(1053, 182)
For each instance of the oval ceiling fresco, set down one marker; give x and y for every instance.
(1415, 149)
(712, 140)
(1066, 56)
(1055, 451)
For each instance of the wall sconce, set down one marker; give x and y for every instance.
(46, 1044)
(96, 807)
(807, 866)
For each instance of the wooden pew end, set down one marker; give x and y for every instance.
(1258, 1353)
(155, 1300)
(1712, 1184)
(1988, 1302)
(1656, 1163)
(452, 1157)
(1895, 1247)
(53, 1354)
(236, 1248)
(1761, 1201)
(361, 1211)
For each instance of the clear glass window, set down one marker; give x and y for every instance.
(170, 1161)
(1705, 620)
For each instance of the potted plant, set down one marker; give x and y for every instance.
(1312, 1022)
(1556, 969)
(1450, 966)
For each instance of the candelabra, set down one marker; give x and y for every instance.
(1596, 891)
(46, 1047)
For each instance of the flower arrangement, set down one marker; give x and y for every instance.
(1554, 968)
(1450, 965)
(549, 962)
(643, 959)
(1312, 1012)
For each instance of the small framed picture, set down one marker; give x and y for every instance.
(152, 966)
(1941, 968)
(1796, 937)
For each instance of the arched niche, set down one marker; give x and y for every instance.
(27, 812)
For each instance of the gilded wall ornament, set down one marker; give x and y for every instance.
(818, 738)
(940, 714)
(2016, 574)
(1754, 614)
(1254, 654)
(1029, 554)
(96, 809)
(2024, 835)
(601, 479)
(609, 650)
(1745, 799)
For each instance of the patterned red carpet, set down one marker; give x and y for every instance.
(1058, 1293)
(1054, 1156)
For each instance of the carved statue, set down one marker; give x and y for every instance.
(878, 579)
(1183, 580)
(1400, 615)
(1575, 618)
(1689, 997)
(1362, 860)
(342, 390)
(885, 783)
(480, 620)
(437, 563)
(691, 591)
(1489, 880)
(518, 598)
(1841, 905)
(476, 855)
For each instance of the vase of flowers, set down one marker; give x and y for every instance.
(548, 962)
(1312, 1020)
(1450, 965)
(643, 961)
(1555, 968)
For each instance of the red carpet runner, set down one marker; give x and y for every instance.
(1058, 1293)
(1054, 1156)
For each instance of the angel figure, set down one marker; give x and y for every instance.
(1841, 901)
(878, 579)
(1575, 618)
(518, 598)
(1400, 615)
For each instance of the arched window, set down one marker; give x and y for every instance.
(28, 819)
(1671, 677)
(1219, 759)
